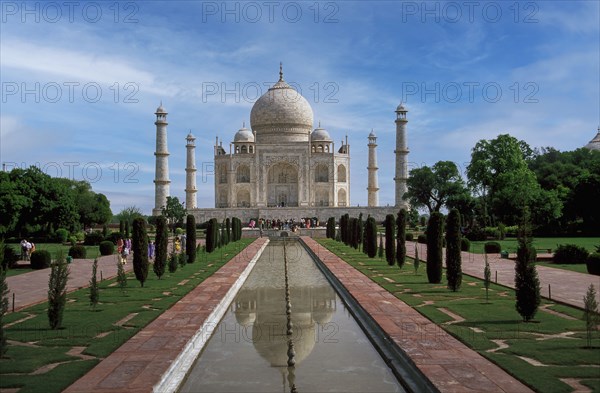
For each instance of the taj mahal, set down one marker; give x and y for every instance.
(282, 166)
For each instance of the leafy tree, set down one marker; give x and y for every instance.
(371, 237)
(590, 315)
(434, 187)
(3, 304)
(453, 256)
(57, 292)
(527, 283)
(390, 245)
(173, 211)
(128, 214)
(94, 290)
(401, 238)
(139, 245)
(190, 238)
(92, 208)
(161, 245)
(435, 230)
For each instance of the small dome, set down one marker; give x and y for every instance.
(320, 135)
(401, 108)
(244, 135)
(594, 143)
(372, 134)
(161, 109)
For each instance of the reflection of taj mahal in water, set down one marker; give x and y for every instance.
(281, 167)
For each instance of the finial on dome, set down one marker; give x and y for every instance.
(244, 124)
(280, 71)
(319, 123)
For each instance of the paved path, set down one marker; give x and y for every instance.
(139, 364)
(558, 284)
(449, 364)
(32, 287)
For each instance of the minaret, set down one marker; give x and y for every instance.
(161, 174)
(373, 188)
(401, 155)
(190, 173)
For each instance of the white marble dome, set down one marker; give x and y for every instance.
(594, 143)
(281, 115)
(320, 135)
(244, 135)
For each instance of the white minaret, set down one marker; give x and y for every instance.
(401, 155)
(373, 187)
(161, 173)
(190, 173)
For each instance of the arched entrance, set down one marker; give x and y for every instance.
(282, 185)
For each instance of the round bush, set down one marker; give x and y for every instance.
(40, 259)
(465, 244)
(61, 235)
(10, 257)
(93, 239)
(492, 248)
(570, 254)
(77, 252)
(593, 263)
(422, 238)
(107, 248)
(409, 237)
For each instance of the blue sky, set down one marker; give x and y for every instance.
(81, 81)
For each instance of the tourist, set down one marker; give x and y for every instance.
(177, 245)
(151, 250)
(28, 251)
(120, 245)
(23, 249)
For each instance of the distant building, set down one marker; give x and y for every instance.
(594, 143)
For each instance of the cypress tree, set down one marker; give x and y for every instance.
(527, 283)
(330, 231)
(453, 258)
(354, 232)
(361, 229)
(210, 236)
(401, 238)
(57, 292)
(390, 245)
(122, 227)
(3, 303)
(190, 238)
(435, 229)
(173, 262)
(161, 245)
(94, 290)
(417, 260)
(127, 229)
(487, 277)
(380, 249)
(228, 230)
(371, 237)
(139, 245)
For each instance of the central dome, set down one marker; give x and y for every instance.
(281, 115)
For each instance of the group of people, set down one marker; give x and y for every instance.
(124, 249)
(288, 224)
(27, 248)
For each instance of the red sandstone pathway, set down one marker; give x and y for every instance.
(449, 364)
(139, 364)
(32, 288)
(564, 285)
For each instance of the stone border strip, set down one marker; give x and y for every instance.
(448, 363)
(139, 364)
(175, 375)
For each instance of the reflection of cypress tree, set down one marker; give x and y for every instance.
(161, 244)
(139, 245)
(435, 229)
(401, 238)
(453, 258)
(527, 283)
(390, 246)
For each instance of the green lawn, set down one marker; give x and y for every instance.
(541, 243)
(579, 268)
(95, 329)
(496, 320)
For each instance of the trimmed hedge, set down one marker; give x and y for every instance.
(93, 239)
(61, 235)
(107, 247)
(570, 254)
(492, 248)
(593, 263)
(422, 238)
(40, 259)
(409, 237)
(10, 257)
(465, 244)
(77, 252)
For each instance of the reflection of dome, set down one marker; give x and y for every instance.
(244, 135)
(594, 143)
(320, 135)
(281, 115)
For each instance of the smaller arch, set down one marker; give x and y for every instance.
(243, 174)
(341, 173)
(244, 149)
(243, 198)
(321, 173)
(342, 197)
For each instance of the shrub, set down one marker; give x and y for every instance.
(9, 257)
(61, 235)
(476, 234)
(409, 237)
(422, 238)
(40, 259)
(57, 292)
(73, 240)
(107, 248)
(80, 236)
(77, 252)
(114, 237)
(93, 239)
(570, 254)
(465, 244)
(492, 248)
(593, 263)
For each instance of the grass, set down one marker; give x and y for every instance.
(579, 268)
(95, 329)
(541, 243)
(498, 319)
